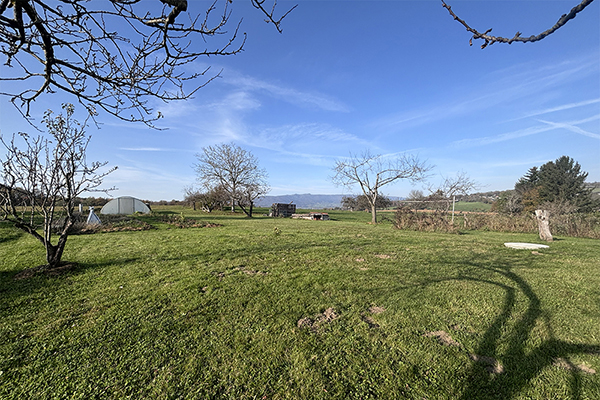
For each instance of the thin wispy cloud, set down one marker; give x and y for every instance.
(501, 88)
(288, 94)
(573, 126)
(486, 140)
(563, 107)
(307, 135)
(548, 126)
(240, 100)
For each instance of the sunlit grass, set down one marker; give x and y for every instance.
(213, 313)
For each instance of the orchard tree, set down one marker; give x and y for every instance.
(235, 170)
(115, 55)
(42, 180)
(250, 193)
(371, 172)
(450, 186)
(208, 200)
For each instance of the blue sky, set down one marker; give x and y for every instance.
(389, 76)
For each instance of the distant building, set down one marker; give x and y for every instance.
(315, 216)
(282, 210)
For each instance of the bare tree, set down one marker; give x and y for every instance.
(41, 182)
(114, 55)
(372, 172)
(450, 186)
(234, 169)
(489, 39)
(416, 199)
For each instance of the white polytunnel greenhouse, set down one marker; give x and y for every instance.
(125, 205)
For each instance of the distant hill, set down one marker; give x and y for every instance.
(307, 200)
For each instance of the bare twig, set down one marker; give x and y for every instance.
(489, 39)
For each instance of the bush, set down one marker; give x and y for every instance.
(525, 223)
(433, 221)
(576, 225)
(562, 222)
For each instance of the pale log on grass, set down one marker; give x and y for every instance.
(542, 217)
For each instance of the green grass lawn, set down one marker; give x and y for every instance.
(472, 206)
(293, 309)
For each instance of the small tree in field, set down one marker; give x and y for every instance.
(250, 193)
(42, 181)
(442, 195)
(372, 172)
(208, 200)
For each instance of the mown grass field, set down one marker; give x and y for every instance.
(293, 309)
(472, 206)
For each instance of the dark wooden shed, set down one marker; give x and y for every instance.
(282, 210)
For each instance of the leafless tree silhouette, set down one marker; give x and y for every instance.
(373, 171)
(42, 180)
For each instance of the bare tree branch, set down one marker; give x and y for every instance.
(114, 55)
(489, 39)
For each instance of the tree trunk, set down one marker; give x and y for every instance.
(248, 214)
(543, 224)
(54, 254)
(373, 214)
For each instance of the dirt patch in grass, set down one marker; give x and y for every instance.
(113, 223)
(444, 338)
(179, 221)
(491, 365)
(370, 322)
(220, 275)
(383, 256)
(315, 322)
(569, 366)
(376, 310)
(62, 268)
(368, 319)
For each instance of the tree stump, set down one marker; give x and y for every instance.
(542, 217)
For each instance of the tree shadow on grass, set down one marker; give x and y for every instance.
(15, 285)
(9, 234)
(521, 363)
